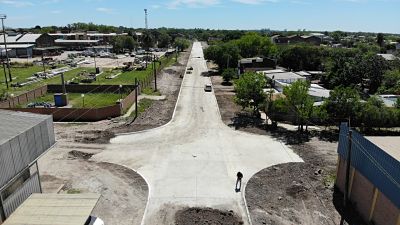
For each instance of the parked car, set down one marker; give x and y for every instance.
(92, 220)
(208, 88)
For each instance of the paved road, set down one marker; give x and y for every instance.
(193, 160)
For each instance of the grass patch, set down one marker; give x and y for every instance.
(23, 73)
(126, 78)
(92, 100)
(74, 191)
(150, 91)
(143, 105)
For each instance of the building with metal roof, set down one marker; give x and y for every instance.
(24, 137)
(54, 209)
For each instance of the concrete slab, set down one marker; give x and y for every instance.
(193, 160)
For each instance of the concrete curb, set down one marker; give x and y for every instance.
(173, 114)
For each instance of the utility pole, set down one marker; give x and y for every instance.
(5, 74)
(346, 188)
(44, 67)
(3, 17)
(155, 73)
(136, 97)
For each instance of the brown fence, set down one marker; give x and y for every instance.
(73, 114)
(86, 88)
(24, 98)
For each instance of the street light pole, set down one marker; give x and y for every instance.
(2, 17)
(83, 100)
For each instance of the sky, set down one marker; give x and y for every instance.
(314, 15)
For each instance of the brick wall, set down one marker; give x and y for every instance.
(24, 98)
(362, 194)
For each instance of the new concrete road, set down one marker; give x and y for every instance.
(193, 160)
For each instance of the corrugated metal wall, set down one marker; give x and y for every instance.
(32, 185)
(376, 165)
(19, 152)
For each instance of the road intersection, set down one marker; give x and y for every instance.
(193, 160)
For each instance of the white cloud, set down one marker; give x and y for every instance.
(104, 10)
(192, 3)
(16, 3)
(254, 2)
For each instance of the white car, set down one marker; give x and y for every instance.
(92, 220)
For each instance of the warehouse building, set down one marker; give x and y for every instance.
(24, 137)
(23, 45)
(369, 176)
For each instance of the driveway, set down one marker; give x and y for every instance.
(193, 160)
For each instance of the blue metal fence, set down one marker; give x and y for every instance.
(372, 162)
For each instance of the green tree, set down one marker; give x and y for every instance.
(147, 40)
(249, 91)
(229, 74)
(380, 39)
(164, 40)
(301, 57)
(181, 43)
(299, 101)
(343, 104)
(390, 82)
(129, 43)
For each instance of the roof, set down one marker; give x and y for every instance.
(10, 46)
(303, 73)
(284, 76)
(250, 60)
(389, 144)
(14, 123)
(388, 57)
(75, 41)
(318, 91)
(54, 209)
(273, 71)
(21, 38)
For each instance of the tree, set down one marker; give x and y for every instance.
(164, 40)
(299, 101)
(390, 82)
(147, 40)
(229, 74)
(343, 104)
(181, 43)
(380, 39)
(301, 57)
(249, 91)
(129, 43)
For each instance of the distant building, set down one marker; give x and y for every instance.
(24, 137)
(76, 44)
(102, 38)
(282, 78)
(389, 100)
(255, 64)
(388, 57)
(23, 45)
(296, 39)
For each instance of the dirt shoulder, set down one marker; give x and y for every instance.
(67, 169)
(293, 193)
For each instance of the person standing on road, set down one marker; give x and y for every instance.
(238, 186)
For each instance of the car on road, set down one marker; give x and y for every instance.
(92, 220)
(208, 88)
(188, 72)
(190, 68)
